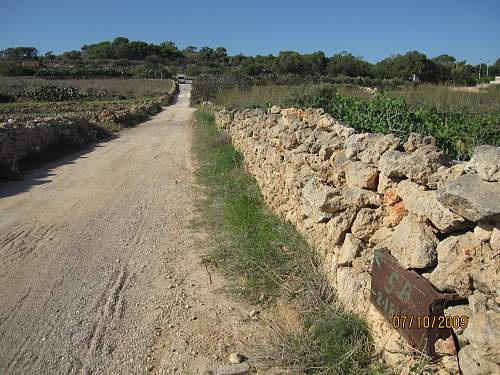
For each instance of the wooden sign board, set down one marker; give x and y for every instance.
(409, 302)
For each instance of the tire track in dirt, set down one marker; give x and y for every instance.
(98, 263)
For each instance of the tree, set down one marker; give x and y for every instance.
(72, 55)
(169, 50)
(103, 50)
(289, 62)
(495, 68)
(462, 73)
(220, 53)
(444, 65)
(139, 50)
(19, 53)
(446, 60)
(404, 66)
(120, 48)
(314, 63)
(346, 64)
(49, 55)
(206, 55)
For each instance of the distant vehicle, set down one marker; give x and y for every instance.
(181, 78)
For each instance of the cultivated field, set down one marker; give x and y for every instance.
(115, 87)
(92, 97)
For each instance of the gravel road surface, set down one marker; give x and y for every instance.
(99, 267)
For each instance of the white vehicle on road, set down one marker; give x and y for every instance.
(181, 78)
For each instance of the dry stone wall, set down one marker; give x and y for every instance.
(19, 140)
(350, 193)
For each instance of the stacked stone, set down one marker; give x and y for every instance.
(351, 193)
(19, 140)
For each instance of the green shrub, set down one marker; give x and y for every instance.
(6, 98)
(50, 93)
(85, 71)
(457, 132)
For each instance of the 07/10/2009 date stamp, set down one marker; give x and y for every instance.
(426, 321)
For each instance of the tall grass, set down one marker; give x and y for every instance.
(459, 120)
(266, 258)
(451, 99)
(440, 97)
(255, 96)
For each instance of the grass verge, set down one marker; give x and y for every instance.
(265, 258)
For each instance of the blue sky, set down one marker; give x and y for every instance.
(373, 29)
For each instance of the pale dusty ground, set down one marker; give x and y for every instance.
(99, 268)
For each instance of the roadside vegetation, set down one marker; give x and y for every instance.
(265, 260)
(458, 119)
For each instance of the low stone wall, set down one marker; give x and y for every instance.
(21, 140)
(351, 193)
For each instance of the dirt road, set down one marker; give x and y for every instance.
(99, 269)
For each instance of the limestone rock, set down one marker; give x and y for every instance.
(337, 170)
(236, 369)
(423, 163)
(444, 175)
(342, 198)
(471, 197)
(312, 117)
(416, 140)
(445, 347)
(292, 118)
(425, 203)
(326, 144)
(350, 288)
(315, 196)
(338, 226)
(485, 162)
(464, 264)
(342, 131)
(458, 310)
(413, 243)
(275, 109)
(366, 223)
(483, 232)
(385, 183)
(393, 164)
(351, 248)
(395, 214)
(478, 302)
(380, 235)
(418, 166)
(368, 147)
(483, 333)
(495, 239)
(452, 271)
(471, 363)
(361, 175)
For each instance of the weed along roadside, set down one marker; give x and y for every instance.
(267, 262)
